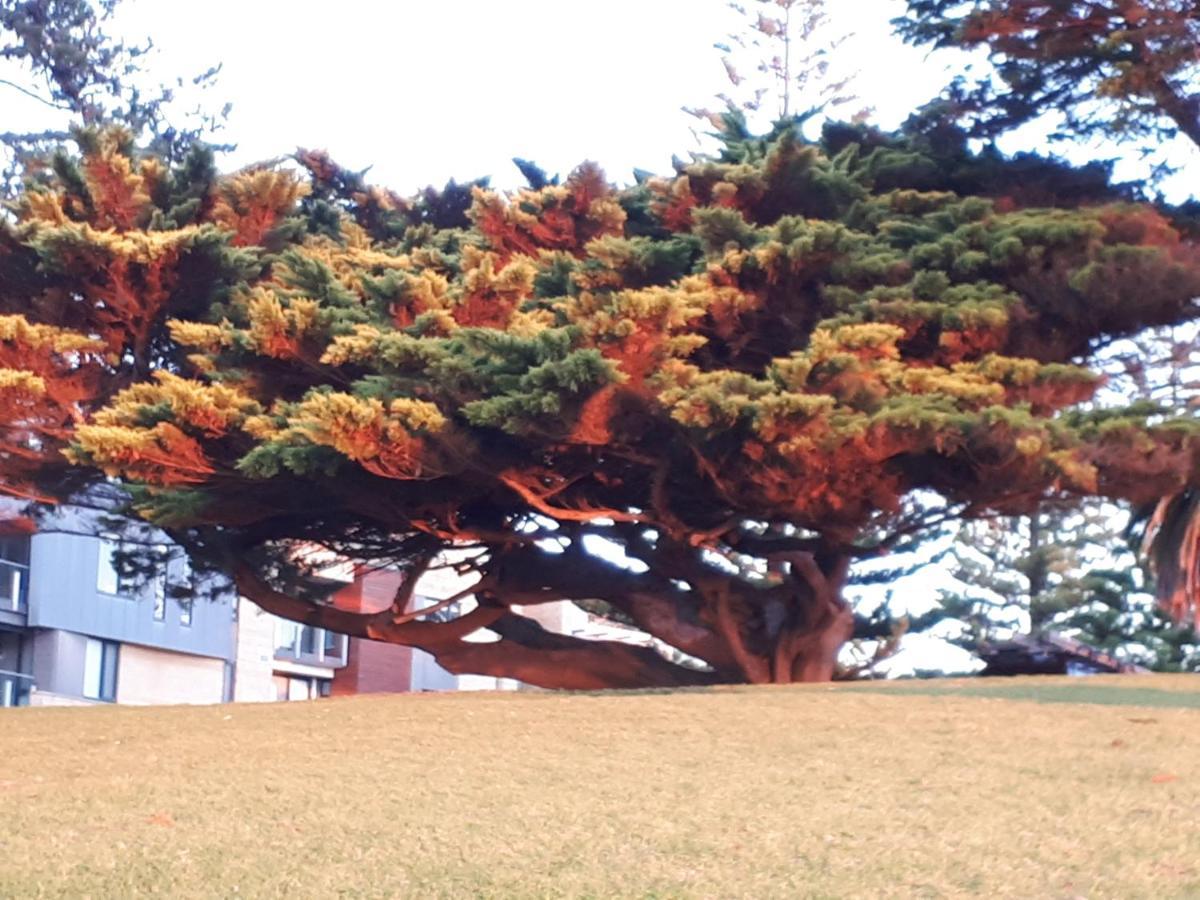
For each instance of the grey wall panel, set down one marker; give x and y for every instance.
(63, 571)
(58, 662)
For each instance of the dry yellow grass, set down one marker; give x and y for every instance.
(788, 792)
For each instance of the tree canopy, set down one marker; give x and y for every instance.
(739, 378)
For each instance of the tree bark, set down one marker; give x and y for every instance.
(807, 647)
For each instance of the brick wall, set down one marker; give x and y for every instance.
(146, 676)
(372, 667)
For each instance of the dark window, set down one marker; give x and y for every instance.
(14, 572)
(333, 645)
(308, 640)
(15, 549)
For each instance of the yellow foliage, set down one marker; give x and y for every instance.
(213, 408)
(19, 380)
(1012, 370)
(960, 384)
(354, 259)
(512, 283)
(276, 330)
(256, 188)
(43, 205)
(20, 331)
(159, 455)
(200, 335)
(383, 438)
(360, 346)
(1081, 474)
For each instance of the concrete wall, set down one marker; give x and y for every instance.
(46, 698)
(148, 676)
(255, 653)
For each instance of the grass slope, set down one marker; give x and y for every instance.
(778, 792)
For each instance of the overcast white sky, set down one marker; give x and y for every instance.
(424, 91)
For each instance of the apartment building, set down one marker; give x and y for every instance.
(72, 631)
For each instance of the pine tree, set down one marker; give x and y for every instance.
(784, 63)
(61, 54)
(1121, 68)
(739, 375)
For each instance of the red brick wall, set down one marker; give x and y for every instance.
(372, 667)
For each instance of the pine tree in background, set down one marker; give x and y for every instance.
(61, 54)
(1124, 69)
(737, 377)
(1073, 571)
(1067, 572)
(784, 63)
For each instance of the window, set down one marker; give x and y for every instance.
(14, 572)
(160, 583)
(108, 579)
(15, 549)
(185, 612)
(100, 670)
(160, 599)
(333, 645)
(308, 640)
(300, 688)
(285, 636)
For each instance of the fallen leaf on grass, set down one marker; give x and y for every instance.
(1117, 742)
(1163, 778)
(161, 818)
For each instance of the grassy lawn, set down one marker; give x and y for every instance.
(1024, 788)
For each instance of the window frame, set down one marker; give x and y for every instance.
(104, 656)
(107, 545)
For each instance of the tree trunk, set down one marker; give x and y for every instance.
(795, 637)
(810, 649)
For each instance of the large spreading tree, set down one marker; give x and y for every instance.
(740, 379)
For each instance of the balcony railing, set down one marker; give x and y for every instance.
(15, 688)
(14, 586)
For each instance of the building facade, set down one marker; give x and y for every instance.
(73, 631)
